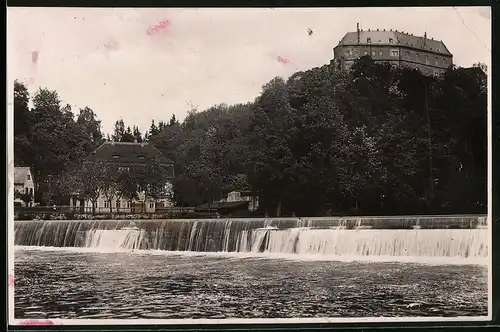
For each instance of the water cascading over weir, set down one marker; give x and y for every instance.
(427, 236)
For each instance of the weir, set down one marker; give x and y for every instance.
(438, 236)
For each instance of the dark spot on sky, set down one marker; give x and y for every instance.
(34, 56)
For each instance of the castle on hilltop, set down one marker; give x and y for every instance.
(429, 56)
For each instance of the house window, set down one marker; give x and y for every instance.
(25, 190)
(394, 52)
(31, 191)
(123, 169)
(416, 55)
(368, 40)
(391, 40)
(106, 204)
(151, 205)
(28, 177)
(118, 204)
(444, 62)
(427, 59)
(128, 204)
(380, 53)
(407, 53)
(374, 53)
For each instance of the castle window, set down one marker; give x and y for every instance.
(106, 204)
(368, 40)
(128, 204)
(407, 53)
(427, 59)
(380, 53)
(391, 40)
(374, 53)
(28, 177)
(416, 55)
(444, 62)
(394, 52)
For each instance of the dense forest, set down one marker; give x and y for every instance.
(376, 140)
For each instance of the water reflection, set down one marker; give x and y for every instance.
(70, 285)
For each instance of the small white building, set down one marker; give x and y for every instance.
(24, 184)
(243, 196)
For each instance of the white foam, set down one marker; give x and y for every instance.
(267, 255)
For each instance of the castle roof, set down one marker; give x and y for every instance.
(382, 37)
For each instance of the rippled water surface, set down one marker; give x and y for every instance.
(66, 284)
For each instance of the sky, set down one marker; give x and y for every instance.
(142, 64)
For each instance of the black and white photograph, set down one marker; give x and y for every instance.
(248, 165)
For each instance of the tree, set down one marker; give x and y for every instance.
(118, 131)
(109, 185)
(26, 197)
(87, 119)
(91, 178)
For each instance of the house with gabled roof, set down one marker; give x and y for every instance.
(125, 155)
(428, 55)
(23, 184)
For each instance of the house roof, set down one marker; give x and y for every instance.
(399, 39)
(128, 153)
(20, 174)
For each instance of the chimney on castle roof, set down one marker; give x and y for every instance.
(357, 28)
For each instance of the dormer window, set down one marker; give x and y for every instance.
(391, 40)
(141, 157)
(368, 40)
(28, 177)
(115, 156)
